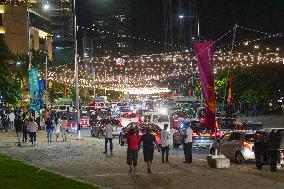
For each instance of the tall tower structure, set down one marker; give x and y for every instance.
(60, 14)
(114, 21)
(180, 24)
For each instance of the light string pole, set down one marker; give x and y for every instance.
(76, 69)
(226, 85)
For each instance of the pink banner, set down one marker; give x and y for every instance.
(204, 52)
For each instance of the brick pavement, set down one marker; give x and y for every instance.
(84, 160)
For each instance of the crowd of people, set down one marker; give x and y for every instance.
(148, 140)
(26, 127)
(26, 124)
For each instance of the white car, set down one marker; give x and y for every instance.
(235, 145)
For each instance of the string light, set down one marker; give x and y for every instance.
(151, 71)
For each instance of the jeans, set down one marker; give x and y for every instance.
(25, 136)
(33, 137)
(165, 150)
(187, 148)
(63, 131)
(49, 134)
(11, 125)
(110, 141)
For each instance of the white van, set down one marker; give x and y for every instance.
(157, 118)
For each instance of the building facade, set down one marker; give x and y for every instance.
(15, 17)
(61, 17)
(111, 24)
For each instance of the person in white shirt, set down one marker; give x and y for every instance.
(165, 136)
(108, 137)
(57, 127)
(187, 145)
(12, 119)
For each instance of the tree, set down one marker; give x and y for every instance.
(9, 85)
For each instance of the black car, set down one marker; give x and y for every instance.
(201, 136)
(98, 128)
(269, 148)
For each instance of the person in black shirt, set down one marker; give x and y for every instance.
(25, 128)
(149, 141)
(18, 128)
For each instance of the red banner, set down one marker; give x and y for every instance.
(204, 52)
(229, 99)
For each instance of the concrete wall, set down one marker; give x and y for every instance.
(16, 34)
(15, 24)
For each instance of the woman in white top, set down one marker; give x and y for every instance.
(57, 128)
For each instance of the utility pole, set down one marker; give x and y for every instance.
(93, 66)
(46, 81)
(29, 38)
(76, 69)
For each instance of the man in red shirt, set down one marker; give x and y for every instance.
(132, 150)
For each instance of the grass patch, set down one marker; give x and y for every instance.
(17, 175)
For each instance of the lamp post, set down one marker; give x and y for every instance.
(76, 68)
(46, 71)
(29, 38)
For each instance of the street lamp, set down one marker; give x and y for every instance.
(46, 6)
(46, 71)
(29, 38)
(76, 68)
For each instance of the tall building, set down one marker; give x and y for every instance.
(180, 24)
(14, 23)
(60, 13)
(114, 22)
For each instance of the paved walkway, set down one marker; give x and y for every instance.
(84, 160)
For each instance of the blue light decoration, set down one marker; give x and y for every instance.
(41, 86)
(34, 90)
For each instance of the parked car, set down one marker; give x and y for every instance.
(98, 129)
(235, 145)
(201, 136)
(129, 117)
(85, 119)
(176, 119)
(72, 123)
(269, 148)
(140, 129)
(99, 114)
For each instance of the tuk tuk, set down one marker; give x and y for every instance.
(269, 148)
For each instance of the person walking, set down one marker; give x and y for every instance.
(18, 128)
(149, 141)
(165, 136)
(12, 119)
(57, 127)
(49, 128)
(187, 146)
(25, 128)
(64, 126)
(32, 128)
(108, 137)
(254, 110)
(132, 150)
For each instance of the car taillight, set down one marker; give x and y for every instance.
(246, 145)
(194, 134)
(215, 134)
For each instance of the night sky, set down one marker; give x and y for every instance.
(216, 17)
